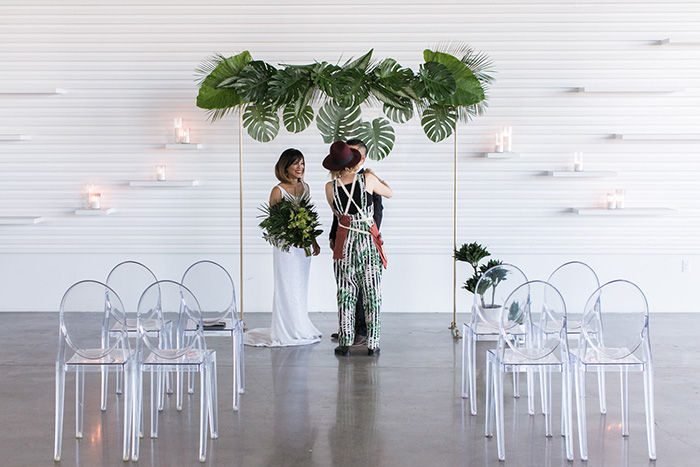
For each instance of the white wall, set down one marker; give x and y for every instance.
(128, 69)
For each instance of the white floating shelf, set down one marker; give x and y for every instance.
(95, 212)
(20, 220)
(31, 90)
(627, 212)
(658, 137)
(164, 183)
(502, 155)
(184, 146)
(628, 89)
(15, 137)
(582, 174)
(694, 41)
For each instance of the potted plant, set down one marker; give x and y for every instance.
(473, 253)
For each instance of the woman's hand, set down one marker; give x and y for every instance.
(316, 249)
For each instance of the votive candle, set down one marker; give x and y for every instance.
(578, 162)
(611, 199)
(160, 173)
(95, 201)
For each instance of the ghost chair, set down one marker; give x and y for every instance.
(216, 293)
(188, 353)
(129, 279)
(491, 290)
(576, 281)
(83, 315)
(521, 348)
(615, 336)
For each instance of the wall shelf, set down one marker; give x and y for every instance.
(629, 89)
(659, 137)
(627, 212)
(15, 137)
(95, 212)
(502, 155)
(184, 146)
(20, 220)
(164, 183)
(679, 41)
(581, 174)
(31, 90)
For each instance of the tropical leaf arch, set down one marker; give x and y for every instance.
(450, 86)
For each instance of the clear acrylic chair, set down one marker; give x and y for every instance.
(82, 347)
(188, 353)
(576, 281)
(494, 286)
(214, 288)
(129, 279)
(615, 336)
(521, 347)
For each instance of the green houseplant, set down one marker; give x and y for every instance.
(473, 253)
(445, 89)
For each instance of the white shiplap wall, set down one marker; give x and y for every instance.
(128, 68)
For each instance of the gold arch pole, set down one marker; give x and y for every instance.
(240, 205)
(453, 325)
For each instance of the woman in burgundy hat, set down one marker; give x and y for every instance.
(358, 255)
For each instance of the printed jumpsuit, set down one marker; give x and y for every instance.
(359, 268)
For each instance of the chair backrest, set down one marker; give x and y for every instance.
(576, 281)
(165, 301)
(213, 287)
(492, 289)
(615, 320)
(129, 279)
(528, 305)
(85, 320)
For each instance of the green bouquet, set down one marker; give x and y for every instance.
(291, 222)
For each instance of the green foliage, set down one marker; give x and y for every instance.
(291, 223)
(378, 136)
(449, 86)
(336, 122)
(479, 283)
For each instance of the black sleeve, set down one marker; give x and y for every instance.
(378, 209)
(334, 228)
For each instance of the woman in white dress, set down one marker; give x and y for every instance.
(290, 318)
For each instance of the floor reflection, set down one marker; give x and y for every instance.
(355, 438)
(293, 433)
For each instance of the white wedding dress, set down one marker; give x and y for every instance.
(290, 317)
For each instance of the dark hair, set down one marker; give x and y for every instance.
(359, 143)
(287, 158)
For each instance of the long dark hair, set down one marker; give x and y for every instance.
(287, 158)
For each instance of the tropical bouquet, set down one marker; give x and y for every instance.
(291, 222)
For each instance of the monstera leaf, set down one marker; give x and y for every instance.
(252, 82)
(261, 122)
(436, 82)
(216, 93)
(349, 88)
(322, 76)
(297, 118)
(378, 136)
(288, 85)
(398, 114)
(468, 90)
(438, 122)
(337, 123)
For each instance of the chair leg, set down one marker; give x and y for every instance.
(119, 379)
(137, 423)
(489, 409)
(580, 383)
(464, 362)
(498, 400)
(648, 376)
(547, 377)
(471, 370)
(60, 399)
(530, 377)
(128, 412)
(178, 389)
(154, 405)
(212, 398)
(190, 382)
(566, 410)
(79, 401)
(625, 400)
(601, 391)
(203, 412)
(104, 383)
(236, 372)
(241, 362)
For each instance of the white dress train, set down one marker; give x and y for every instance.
(290, 317)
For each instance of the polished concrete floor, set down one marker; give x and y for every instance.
(306, 407)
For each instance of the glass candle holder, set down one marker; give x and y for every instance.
(160, 173)
(95, 201)
(578, 162)
(611, 201)
(620, 198)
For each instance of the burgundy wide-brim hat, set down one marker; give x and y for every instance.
(341, 157)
